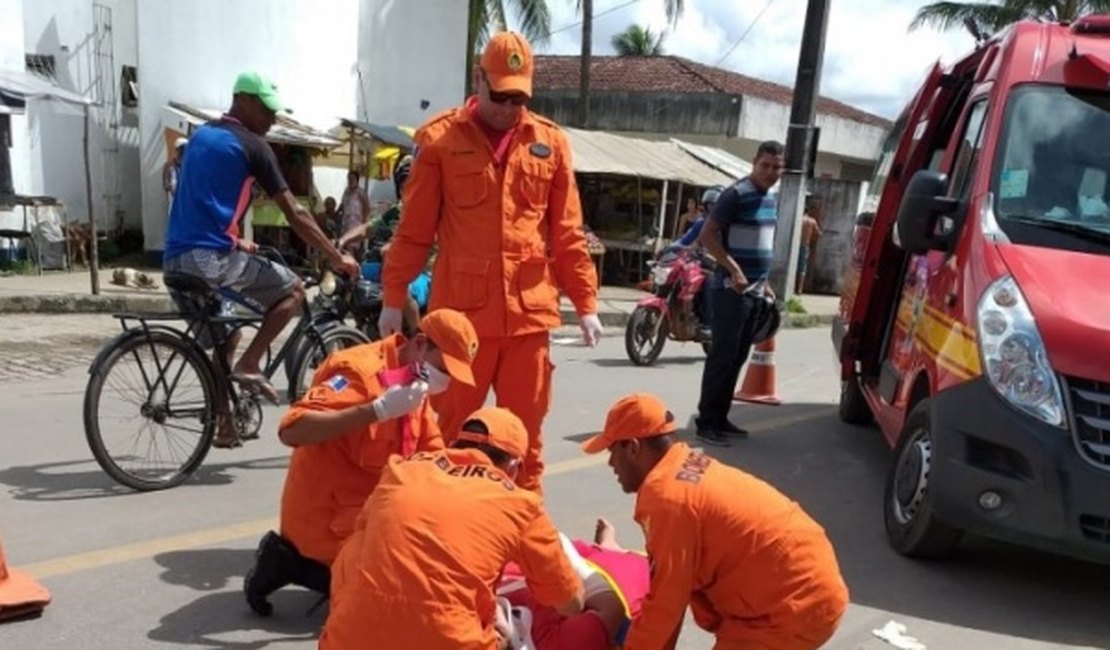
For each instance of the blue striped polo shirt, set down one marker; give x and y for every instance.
(747, 216)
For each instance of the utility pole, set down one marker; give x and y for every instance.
(584, 66)
(798, 141)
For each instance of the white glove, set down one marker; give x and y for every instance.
(390, 321)
(399, 400)
(590, 325)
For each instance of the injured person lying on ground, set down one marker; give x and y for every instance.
(616, 582)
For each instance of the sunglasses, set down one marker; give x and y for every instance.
(517, 99)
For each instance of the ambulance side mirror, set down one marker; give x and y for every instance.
(924, 221)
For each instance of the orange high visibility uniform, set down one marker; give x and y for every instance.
(509, 238)
(755, 569)
(327, 483)
(433, 538)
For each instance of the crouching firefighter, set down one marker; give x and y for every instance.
(365, 404)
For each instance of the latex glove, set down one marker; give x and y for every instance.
(399, 400)
(390, 321)
(591, 328)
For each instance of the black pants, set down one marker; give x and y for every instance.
(733, 327)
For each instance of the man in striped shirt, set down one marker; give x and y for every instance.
(740, 235)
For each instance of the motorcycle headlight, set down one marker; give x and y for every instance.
(660, 274)
(1014, 355)
(327, 283)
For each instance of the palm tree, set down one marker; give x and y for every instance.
(489, 16)
(997, 14)
(674, 10)
(638, 41)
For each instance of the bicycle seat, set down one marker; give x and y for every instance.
(186, 283)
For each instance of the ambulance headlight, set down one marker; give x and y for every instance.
(1013, 353)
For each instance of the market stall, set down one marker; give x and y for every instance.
(633, 191)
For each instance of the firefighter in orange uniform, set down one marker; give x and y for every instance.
(432, 539)
(492, 186)
(754, 568)
(366, 403)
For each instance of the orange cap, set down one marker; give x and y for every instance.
(18, 591)
(639, 415)
(507, 62)
(455, 337)
(506, 431)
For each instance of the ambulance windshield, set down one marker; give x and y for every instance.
(1052, 169)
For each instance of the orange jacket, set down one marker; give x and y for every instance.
(327, 483)
(750, 562)
(509, 238)
(433, 538)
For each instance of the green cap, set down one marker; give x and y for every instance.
(252, 83)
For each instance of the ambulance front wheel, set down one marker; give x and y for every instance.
(912, 527)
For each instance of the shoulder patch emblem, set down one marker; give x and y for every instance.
(540, 150)
(337, 383)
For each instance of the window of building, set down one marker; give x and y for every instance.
(129, 86)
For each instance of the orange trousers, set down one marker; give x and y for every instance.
(518, 368)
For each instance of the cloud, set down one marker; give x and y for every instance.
(871, 59)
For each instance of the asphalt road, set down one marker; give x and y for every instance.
(164, 570)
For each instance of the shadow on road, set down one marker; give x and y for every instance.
(661, 364)
(83, 479)
(217, 619)
(837, 472)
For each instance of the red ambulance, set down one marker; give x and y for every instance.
(974, 324)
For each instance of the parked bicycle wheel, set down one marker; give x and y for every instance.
(310, 356)
(149, 410)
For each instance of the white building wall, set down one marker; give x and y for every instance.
(761, 119)
(399, 71)
(11, 58)
(65, 29)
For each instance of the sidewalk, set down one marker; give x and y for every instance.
(60, 293)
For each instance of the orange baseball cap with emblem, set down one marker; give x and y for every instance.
(639, 415)
(506, 431)
(454, 335)
(508, 63)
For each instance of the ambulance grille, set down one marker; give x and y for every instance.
(1090, 402)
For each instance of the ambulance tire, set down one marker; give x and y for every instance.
(912, 527)
(853, 405)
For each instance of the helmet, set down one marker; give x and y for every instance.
(767, 318)
(710, 196)
(401, 174)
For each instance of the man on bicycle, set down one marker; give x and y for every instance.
(366, 403)
(226, 158)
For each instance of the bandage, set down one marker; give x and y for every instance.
(593, 582)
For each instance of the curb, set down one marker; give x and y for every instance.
(76, 303)
(619, 319)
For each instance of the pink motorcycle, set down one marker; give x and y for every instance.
(670, 310)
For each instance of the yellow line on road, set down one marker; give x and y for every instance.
(247, 529)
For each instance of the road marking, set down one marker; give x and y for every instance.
(147, 549)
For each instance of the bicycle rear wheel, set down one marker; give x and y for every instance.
(150, 411)
(336, 337)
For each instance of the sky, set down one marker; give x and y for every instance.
(871, 59)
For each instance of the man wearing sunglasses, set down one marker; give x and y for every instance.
(493, 187)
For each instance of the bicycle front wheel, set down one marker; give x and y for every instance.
(336, 337)
(150, 411)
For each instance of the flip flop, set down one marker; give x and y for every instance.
(257, 383)
(224, 443)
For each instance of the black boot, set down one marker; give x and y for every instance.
(315, 576)
(276, 565)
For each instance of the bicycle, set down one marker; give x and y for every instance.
(178, 387)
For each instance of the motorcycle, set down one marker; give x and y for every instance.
(670, 311)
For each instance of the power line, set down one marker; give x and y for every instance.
(745, 34)
(596, 16)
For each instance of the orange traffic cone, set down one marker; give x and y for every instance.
(759, 380)
(20, 595)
